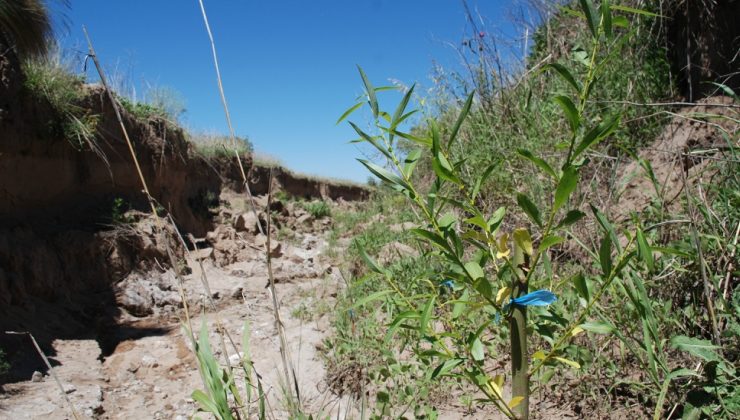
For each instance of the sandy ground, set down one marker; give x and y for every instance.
(154, 376)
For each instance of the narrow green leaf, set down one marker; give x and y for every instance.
(598, 327)
(644, 252)
(604, 223)
(402, 107)
(549, 241)
(349, 111)
(588, 10)
(384, 174)
(419, 140)
(410, 162)
(477, 350)
(371, 298)
(496, 218)
(620, 21)
(529, 208)
(606, 18)
(206, 404)
(581, 286)
(426, 315)
(371, 140)
(372, 99)
(596, 134)
(566, 75)
(569, 108)
(434, 238)
(446, 367)
(461, 118)
(541, 163)
(633, 10)
(566, 186)
(571, 217)
(483, 286)
(605, 255)
(481, 180)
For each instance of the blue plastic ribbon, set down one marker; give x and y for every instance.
(536, 298)
(448, 283)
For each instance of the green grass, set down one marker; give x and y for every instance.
(217, 145)
(50, 78)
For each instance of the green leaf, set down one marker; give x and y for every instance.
(703, 349)
(605, 255)
(206, 404)
(495, 220)
(568, 362)
(349, 111)
(571, 113)
(597, 134)
(410, 162)
(371, 298)
(434, 238)
(419, 140)
(481, 179)
(541, 163)
(598, 327)
(426, 315)
(566, 75)
(579, 282)
(370, 262)
(644, 252)
(523, 240)
(446, 367)
(571, 217)
(549, 241)
(371, 140)
(664, 389)
(565, 188)
(483, 286)
(402, 107)
(606, 18)
(588, 10)
(474, 270)
(529, 208)
(633, 10)
(461, 118)
(370, 92)
(384, 174)
(477, 350)
(604, 223)
(620, 21)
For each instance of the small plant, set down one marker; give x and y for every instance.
(318, 209)
(50, 77)
(118, 212)
(490, 280)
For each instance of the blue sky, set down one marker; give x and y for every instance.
(288, 66)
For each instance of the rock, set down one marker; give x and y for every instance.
(137, 301)
(402, 227)
(37, 376)
(275, 247)
(395, 250)
(247, 222)
(202, 254)
(69, 388)
(304, 219)
(237, 292)
(149, 361)
(236, 359)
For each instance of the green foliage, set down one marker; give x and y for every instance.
(118, 211)
(319, 209)
(479, 266)
(25, 26)
(216, 145)
(50, 78)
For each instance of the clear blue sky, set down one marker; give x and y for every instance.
(288, 66)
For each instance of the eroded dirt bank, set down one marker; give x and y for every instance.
(85, 269)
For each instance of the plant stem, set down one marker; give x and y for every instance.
(518, 328)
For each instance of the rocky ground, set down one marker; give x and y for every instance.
(152, 374)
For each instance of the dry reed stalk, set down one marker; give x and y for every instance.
(276, 308)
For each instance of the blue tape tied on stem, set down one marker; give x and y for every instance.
(536, 298)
